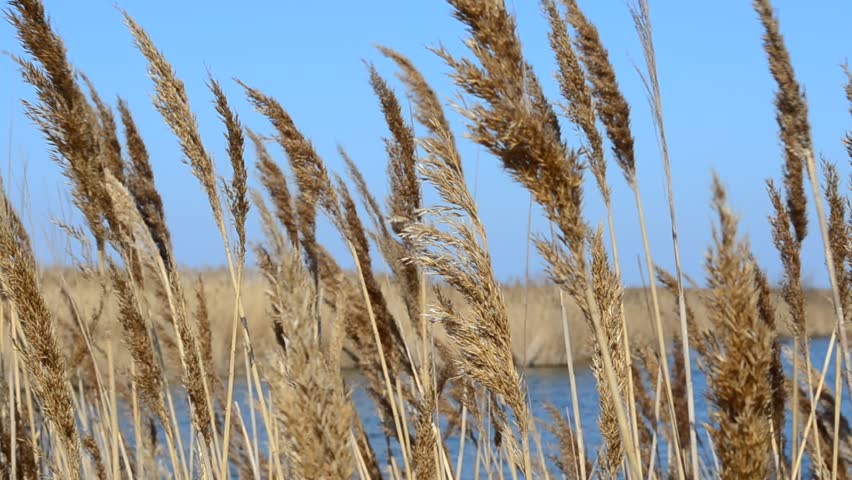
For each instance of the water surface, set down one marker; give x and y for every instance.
(547, 385)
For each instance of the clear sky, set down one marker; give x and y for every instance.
(716, 87)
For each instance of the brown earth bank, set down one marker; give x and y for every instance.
(534, 314)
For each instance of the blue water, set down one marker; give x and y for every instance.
(544, 385)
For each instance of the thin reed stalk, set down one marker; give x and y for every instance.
(572, 379)
(642, 20)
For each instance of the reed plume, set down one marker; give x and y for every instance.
(405, 197)
(315, 415)
(63, 114)
(839, 234)
(40, 349)
(791, 115)
(848, 140)
(614, 112)
(425, 449)
(148, 374)
(288, 291)
(353, 333)
(236, 192)
(275, 182)
(641, 13)
(670, 283)
(393, 344)
(610, 105)
(110, 147)
(276, 247)
(313, 408)
(648, 410)
(789, 249)
(92, 447)
(381, 233)
(142, 187)
(794, 130)
(406, 274)
(315, 188)
(316, 191)
(576, 92)
(580, 110)
(517, 124)
(608, 294)
(457, 251)
(205, 333)
(171, 101)
(777, 377)
(361, 345)
(739, 352)
(518, 130)
(10, 217)
(193, 379)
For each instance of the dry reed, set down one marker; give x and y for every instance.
(57, 326)
(792, 118)
(460, 257)
(848, 140)
(739, 353)
(404, 200)
(63, 114)
(39, 350)
(275, 183)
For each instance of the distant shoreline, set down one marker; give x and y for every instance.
(544, 346)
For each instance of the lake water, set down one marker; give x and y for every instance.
(552, 385)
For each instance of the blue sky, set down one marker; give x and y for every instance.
(717, 99)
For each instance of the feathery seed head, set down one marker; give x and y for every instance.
(237, 190)
(612, 109)
(171, 101)
(740, 355)
(792, 116)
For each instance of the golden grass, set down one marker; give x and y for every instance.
(117, 338)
